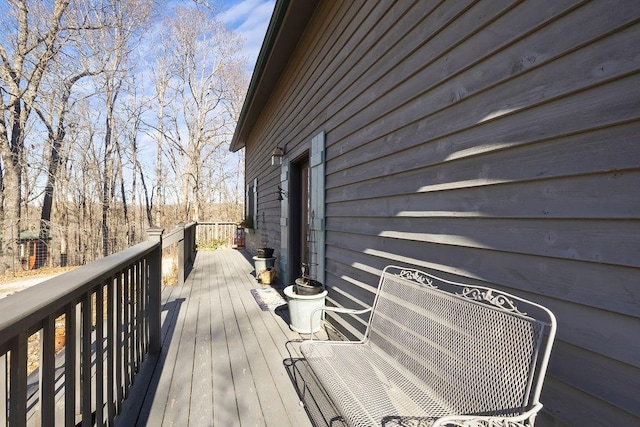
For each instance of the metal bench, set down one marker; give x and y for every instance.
(438, 353)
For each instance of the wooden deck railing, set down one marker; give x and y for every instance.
(112, 320)
(185, 237)
(210, 234)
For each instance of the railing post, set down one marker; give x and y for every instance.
(197, 232)
(181, 254)
(187, 245)
(192, 242)
(155, 290)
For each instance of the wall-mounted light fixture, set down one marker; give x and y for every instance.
(276, 156)
(281, 193)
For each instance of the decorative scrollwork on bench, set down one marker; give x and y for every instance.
(416, 276)
(492, 422)
(487, 295)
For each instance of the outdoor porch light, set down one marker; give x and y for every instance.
(276, 156)
(281, 193)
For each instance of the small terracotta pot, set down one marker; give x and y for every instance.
(267, 275)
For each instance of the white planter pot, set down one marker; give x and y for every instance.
(262, 263)
(300, 309)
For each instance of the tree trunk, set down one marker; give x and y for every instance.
(56, 138)
(105, 189)
(47, 204)
(123, 194)
(159, 168)
(13, 193)
(138, 168)
(11, 223)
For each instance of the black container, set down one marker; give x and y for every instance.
(304, 287)
(265, 252)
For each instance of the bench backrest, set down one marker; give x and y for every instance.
(480, 350)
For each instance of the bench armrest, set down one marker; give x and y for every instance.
(338, 310)
(523, 420)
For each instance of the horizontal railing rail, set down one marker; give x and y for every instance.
(111, 312)
(213, 234)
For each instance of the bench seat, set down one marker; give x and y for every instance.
(357, 377)
(438, 352)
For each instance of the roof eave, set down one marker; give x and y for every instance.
(288, 22)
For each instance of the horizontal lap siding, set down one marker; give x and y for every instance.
(286, 120)
(513, 159)
(497, 140)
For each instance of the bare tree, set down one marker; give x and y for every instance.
(139, 105)
(54, 115)
(45, 51)
(116, 43)
(72, 116)
(36, 37)
(161, 77)
(196, 123)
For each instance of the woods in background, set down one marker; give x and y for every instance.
(115, 116)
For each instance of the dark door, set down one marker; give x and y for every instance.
(299, 215)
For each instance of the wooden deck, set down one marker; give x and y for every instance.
(223, 358)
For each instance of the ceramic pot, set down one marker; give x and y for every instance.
(303, 310)
(305, 287)
(265, 252)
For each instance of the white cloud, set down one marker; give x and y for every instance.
(250, 19)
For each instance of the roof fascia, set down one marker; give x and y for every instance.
(288, 21)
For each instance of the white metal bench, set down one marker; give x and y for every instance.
(438, 353)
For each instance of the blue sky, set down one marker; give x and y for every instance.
(250, 19)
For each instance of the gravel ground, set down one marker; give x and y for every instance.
(7, 289)
(16, 285)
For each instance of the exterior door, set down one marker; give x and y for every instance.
(299, 182)
(302, 221)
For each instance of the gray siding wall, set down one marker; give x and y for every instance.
(497, 140)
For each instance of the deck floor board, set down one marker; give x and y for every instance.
(271, 401)
(222, 360)
(201, 408)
